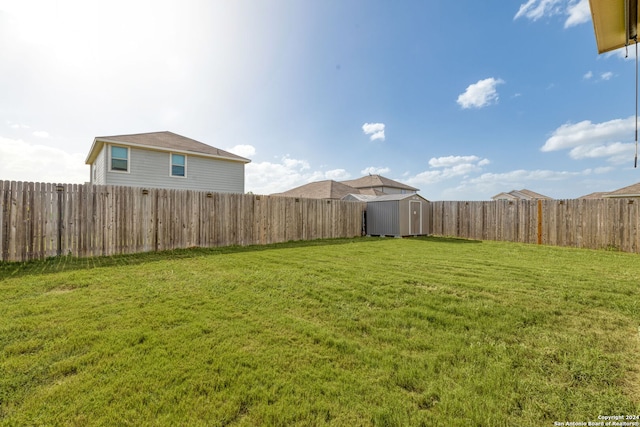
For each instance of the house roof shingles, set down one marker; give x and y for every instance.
(327, 189)
(523, 194)
(632, 190)
(330, 189)
(165, 141)
(371, 181)
(596, 195)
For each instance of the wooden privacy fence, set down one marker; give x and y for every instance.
(584, 223)
(40, 220)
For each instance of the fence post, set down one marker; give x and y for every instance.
(539, 222)
(59, 189)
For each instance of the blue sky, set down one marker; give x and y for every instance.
(461, 99)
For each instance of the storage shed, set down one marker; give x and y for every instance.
(397, 215)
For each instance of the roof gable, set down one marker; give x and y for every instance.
(163, 141)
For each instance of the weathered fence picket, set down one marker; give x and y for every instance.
(583, 223)
(40, 220)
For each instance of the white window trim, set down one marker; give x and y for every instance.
(128, 159)
(171, 165)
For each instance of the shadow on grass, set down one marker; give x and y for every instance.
(69, 263)
(442, 239)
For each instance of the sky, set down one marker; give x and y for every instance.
(461, 99)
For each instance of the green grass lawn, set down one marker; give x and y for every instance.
(424, 331)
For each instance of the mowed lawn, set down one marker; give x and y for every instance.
(422, 331)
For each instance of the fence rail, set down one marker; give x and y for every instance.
(39, 220)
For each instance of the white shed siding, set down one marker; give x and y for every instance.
(148, 168)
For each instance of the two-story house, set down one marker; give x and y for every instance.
(164, 160)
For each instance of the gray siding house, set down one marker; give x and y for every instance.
(164, 160)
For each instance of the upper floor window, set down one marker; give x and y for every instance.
(178, 165)
(119, 159)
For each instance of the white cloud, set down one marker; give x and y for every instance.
(576, 11)
(616, 152)
(24, 161)
(594, 151)
(374, 130)
(450, 161)
(448, 167)
(606, 76)
(579, 12)
(536, 9)
(594, 140)
(41, 134)
(337, 174)
(572, 135)
(242, 150)
(287, 173)
(480, 94)
(372, 170)
(295, 164)
(521, 177)
(491, 184)
(17, 125)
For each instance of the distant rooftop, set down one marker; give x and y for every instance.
(370, 181)
(327, 189)
(370, 185)
(523, 194)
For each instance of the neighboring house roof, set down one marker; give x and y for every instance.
(523, 194)
(328, 189)
(608, 17)
(632, 190)
(596, 195)
(163, 141)
(371, 181)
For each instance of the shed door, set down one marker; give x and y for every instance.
(415, 210)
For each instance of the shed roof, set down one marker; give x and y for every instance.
(164, 141)
(359, 197)
(394, 197)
